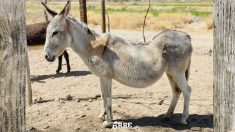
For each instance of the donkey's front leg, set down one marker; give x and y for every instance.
(66, 56)
(59, 63)
(106, 92)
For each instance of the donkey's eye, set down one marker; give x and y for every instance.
(55, 33)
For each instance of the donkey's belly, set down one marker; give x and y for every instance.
(138, 78)
(135, 83)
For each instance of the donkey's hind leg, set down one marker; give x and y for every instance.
(182, 83)
(59, 64)
(66, 56)
(176, 94)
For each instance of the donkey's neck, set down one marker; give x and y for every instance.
(81, 38)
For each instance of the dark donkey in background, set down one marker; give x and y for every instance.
(36, 34)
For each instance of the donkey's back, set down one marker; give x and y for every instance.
(174, 43)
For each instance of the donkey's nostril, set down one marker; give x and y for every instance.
(46, 56)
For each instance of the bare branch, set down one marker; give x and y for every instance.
(145, 20)
(108, 20)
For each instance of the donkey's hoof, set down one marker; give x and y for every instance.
(183, 122)
(101, 118)
(107, 124)
(167, 116)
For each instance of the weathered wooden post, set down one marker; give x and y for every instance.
(83, 11)
(224, 66)
(103, 23)
(45, 13)
(12, 65)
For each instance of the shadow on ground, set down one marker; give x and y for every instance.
(40, 78)
(202, 121)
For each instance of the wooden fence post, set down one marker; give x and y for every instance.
(12, 65)
(103, 23)
(224, 66)
(45, 13)
(83, 11)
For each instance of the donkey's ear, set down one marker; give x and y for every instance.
(50, 11)
(66, 9)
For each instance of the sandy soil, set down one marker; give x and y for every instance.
(141, 107)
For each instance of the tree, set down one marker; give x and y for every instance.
(12, 65)
(224, 65)
(83, 11)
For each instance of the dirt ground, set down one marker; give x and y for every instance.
(140, 107)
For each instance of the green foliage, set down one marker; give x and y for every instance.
(132, 7)
(155, 12)
(200, 13)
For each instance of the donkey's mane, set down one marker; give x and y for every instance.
(81, 25)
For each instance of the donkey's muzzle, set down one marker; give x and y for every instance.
(50, 59)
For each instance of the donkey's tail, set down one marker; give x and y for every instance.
(187, 72)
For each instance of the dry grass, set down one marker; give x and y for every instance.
(123, 20)
(165, 21)
(119, 20)
(134, 21)
(209, 22)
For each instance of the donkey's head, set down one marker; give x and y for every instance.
(57, 36)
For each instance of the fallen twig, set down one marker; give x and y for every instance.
(40, 100)
(70, 98)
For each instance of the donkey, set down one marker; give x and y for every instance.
(36, 35)
(66, 57)
(111, 57)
